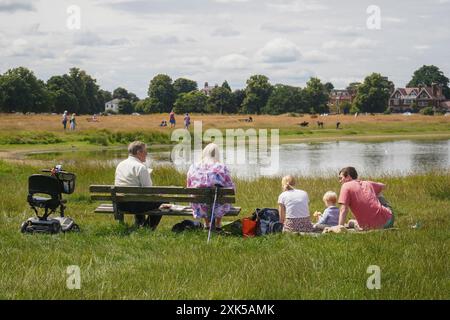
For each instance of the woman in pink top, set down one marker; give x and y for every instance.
(364, 199)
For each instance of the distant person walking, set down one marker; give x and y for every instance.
(65, 118)
(73, 122)
(172, 120)
(187, 121)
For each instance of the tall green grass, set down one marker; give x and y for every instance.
(95, 137)
(118, 262)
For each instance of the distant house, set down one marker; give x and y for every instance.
(207, 89)
(112, 105)
(445, 105)
(338, 97)
(403, 99)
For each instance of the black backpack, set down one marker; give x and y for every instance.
(187, 225)
(268, 221)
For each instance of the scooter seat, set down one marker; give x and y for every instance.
(40, 199)
(43, 202)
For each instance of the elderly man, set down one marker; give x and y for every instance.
(133, 172)
(364, 198)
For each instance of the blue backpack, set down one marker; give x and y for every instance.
(268, 221)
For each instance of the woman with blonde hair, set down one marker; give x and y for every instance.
(294, 207)
(207, 174)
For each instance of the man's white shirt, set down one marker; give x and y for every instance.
(132, 173)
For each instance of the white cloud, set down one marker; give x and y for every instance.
(92, 39)
(229, 1)
(284, 27)
(193, 61)
(422, 47)
(358, 43)
(225, 31)
(16, 5)
(222, 39)
(316, 56)
(296, 6)
(232, 61)
(279, 51)
(393, 19)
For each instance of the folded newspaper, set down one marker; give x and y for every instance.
(174, 207)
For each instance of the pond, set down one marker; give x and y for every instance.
(306, 159)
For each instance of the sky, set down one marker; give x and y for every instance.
(127, 42)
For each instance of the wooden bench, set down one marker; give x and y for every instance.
(166, 195)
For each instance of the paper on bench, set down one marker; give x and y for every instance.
(176, 208)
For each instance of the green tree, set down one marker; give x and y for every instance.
(353, 87)
(328, 87)
(257, 93)
(183, 85)
(225, 85)
(76, 92)
(316, 96)
(193, 101)
(373, 94)
(62, 94)
(120, 93)
(284, 99)
(142, 106)
(220, 101)
(238, 98)
(427, 75)
(126, 107)
(161, 93)
(21, 91)
(105, 95)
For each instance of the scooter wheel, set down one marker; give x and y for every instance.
(75, 228)
(56, 227)
(23, 227)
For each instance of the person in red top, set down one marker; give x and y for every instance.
(364, 199)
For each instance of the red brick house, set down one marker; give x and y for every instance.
(338, 97)
(402, 99)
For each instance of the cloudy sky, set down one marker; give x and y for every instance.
(127, 42)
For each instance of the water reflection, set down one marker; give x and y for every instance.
(306, 159)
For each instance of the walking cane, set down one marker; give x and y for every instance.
(211, 222)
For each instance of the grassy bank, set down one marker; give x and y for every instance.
(40, 131)
(118, 262)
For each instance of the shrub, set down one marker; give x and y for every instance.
(427, 111)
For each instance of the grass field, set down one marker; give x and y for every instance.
(118, 262)
(44, 131)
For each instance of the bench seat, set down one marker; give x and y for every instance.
(170, 194)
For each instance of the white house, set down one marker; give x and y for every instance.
(112, 105)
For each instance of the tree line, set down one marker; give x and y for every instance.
(77, 91)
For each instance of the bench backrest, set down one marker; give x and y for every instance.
(160, 194)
